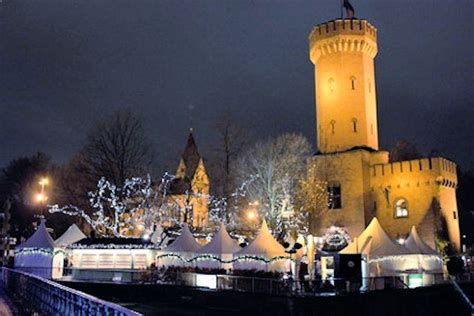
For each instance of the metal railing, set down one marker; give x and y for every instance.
(50, 298)
(252, 284)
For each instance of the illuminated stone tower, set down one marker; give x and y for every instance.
(361, 181)
(343, 53)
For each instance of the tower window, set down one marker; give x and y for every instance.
(454, 215)
(353, 82)
(370, 86)
(401, 208)
(334, 196)
(332, 84)
(354, 125)
(333, 126)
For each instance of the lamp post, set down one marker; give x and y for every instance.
(41, 196)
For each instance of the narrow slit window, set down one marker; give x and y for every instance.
(353, 83)
(354, 125)
(332, 84)
(333, 126)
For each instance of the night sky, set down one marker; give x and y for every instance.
(64, 65)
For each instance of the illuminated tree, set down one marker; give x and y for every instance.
(277, 165)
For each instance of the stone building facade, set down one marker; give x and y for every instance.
(361, 181)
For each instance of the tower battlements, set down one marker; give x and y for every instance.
(442, 169)
(343, 36)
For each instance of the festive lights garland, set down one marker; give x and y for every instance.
(113, 246)
(35, 250)
(215, 258)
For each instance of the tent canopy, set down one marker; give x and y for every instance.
(70, 236)
(40, 239)
(221, 243)
(374, 241)
(184, 243)
(416, 245)
(264, 245)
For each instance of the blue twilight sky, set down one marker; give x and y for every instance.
(64, 65)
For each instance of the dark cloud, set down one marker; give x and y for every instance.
(66, 64)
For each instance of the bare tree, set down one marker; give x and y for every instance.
(232, 139)
(277, 165)
(116, 149)
(403, 150)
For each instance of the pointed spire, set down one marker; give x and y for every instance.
(191, 155)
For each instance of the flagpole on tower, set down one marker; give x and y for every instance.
(342, 9)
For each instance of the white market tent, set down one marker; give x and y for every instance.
(70, 236)
(37, 254)
(386, 257)
(221, 246)
(184, 246)
(266, 247)
(416, 245)
(428, 259)
(375, 242)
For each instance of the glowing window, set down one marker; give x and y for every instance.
(334, 196)
(401, 208)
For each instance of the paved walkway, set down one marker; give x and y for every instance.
(7, 307)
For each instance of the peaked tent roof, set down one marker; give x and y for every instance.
(70, 236)
(374, 241)
(40, 239)
(221, 243)
(184, 243)
(416, 245)
(264, 244)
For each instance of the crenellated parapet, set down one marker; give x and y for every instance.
(442, 170)
(348, 35)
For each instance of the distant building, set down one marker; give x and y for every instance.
(189, 192)
(361, 182)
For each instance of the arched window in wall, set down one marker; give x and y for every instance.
(353, 83)
(401, 208)
(332, 84)
(354, 125)
(333, 126)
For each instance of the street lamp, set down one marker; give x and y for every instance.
(251, 214)
(41, 197)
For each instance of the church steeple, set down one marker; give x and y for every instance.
(191, 156)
